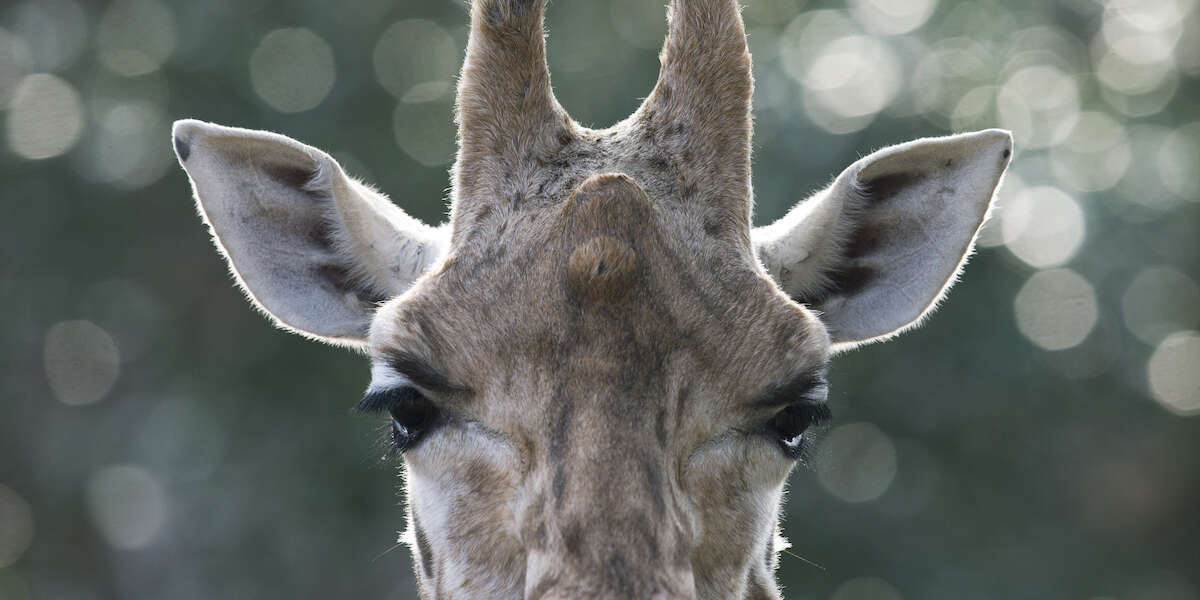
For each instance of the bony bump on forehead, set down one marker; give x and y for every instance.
(602, 270)
(606, 218)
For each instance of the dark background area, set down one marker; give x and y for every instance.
(1038, 438)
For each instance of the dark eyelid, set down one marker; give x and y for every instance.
(791, 391)
(420, 372)
(818, 413)
(384, 400)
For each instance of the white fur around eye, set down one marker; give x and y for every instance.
(751, 458)
(384, 378)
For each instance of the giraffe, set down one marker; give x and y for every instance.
(597, 373)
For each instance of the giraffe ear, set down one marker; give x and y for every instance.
(311, 247)
(878, 249)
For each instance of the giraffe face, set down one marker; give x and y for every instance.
(598, 373)
(599, 417)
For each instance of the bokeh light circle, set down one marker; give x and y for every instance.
(1040, 104)
(45, 117)
(425, 132)
(135, 37)
(1160, 301)
(973, 107)
(769, 12)
(1043, 226)
(1173, 373)
(892, 17)
(292, 70)
(856, 462)
(132, 126)
(81, 362)
(806, 35)
(1134, 55)
(1187, 50)
(128, 506)
(1120, 73)
(1096, 154)
(1056, 309)
(849, 82)
(55, 30)
(16, 526)
(1142, 192)
(1135, 43)
(1178, 157)
(415, 52)
(1152, 15)
(129, 310)
(952, 83)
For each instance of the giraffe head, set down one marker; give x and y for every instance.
(598, 374)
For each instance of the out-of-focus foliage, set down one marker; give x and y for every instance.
(1039, 438)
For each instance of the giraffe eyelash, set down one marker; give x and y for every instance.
(412, 415)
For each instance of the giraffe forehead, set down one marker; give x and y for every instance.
(596, 288)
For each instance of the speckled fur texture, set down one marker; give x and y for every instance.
(600, 319)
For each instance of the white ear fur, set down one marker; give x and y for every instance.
(877, 250)
(311, 247)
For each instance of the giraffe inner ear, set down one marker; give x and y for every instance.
(311, 247)
(878, 250)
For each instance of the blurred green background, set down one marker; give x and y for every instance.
(1039, 438)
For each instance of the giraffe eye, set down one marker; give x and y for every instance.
(411, 420)
(790, 424)
(412, 414)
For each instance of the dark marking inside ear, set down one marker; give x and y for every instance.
(341, 281)
(183, 149)
(321, 234)
(850, 281)
(423, 547)
(292, 176)
(882, 189)
(1007, 153)
(337, 276)
(866, 240)
(845, 282)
